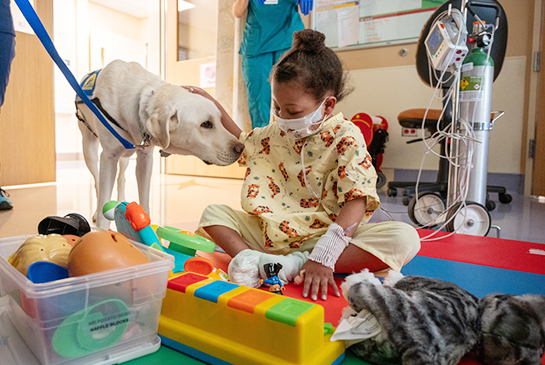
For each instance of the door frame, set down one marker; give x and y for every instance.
(536, 167)
(188, 73)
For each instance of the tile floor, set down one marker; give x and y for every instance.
(178, 201)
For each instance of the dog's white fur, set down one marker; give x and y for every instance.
(178, 121)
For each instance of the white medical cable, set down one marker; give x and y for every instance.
(463, 190)
(305, 172)
(472, 140)
(388, 213)
(467, 138)
(460, 198)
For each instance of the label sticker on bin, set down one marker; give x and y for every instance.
(97, 327)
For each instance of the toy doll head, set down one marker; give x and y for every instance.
(272, 269)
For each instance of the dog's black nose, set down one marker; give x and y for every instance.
(239, 147)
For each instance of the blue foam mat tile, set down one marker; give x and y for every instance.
(476, 279)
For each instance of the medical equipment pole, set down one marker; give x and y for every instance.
(454, 145)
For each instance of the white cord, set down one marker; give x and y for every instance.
(465, 135)
(464, 169)
(305, 172)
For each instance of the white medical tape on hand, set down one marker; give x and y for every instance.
(330, 246)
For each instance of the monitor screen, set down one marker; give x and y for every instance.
(434, 41)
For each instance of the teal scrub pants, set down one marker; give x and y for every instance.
(256, 71)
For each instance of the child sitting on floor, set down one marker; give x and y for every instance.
(309, 185)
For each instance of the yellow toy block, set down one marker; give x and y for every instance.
(220, 322)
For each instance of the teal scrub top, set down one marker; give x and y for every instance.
(269, 27)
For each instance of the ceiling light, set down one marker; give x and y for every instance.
(184, 5)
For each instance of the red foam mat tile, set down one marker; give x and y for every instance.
(486, 251)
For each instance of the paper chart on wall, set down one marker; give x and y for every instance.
(365, 23)
(348, 25)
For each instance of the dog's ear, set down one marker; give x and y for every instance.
(159, 127)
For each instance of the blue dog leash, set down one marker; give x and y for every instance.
(37, 26)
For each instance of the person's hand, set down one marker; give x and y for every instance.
(198, 91)
(305, 6)
(226, 120)
(317, 278)
(201, 92)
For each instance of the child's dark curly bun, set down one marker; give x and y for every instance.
(308, 40)
(312, 64)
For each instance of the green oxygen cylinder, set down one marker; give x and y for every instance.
(477, 76)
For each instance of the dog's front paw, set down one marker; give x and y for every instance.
(102, 222)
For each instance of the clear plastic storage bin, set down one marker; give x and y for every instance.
(106, 317)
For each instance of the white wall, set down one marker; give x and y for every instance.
(389, 91)
(106, 47)
(65, 39)
(86, 35)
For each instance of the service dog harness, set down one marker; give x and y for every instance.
(88, 86)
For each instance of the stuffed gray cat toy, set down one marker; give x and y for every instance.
(429, 321)
(512, 330)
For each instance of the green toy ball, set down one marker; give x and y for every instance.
(108, 209)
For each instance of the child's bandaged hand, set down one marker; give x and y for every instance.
(321, 262)
(330, 246)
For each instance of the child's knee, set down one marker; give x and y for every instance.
(401, 237)
(407, 239)
(214, 211)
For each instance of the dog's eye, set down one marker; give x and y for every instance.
(208, 124)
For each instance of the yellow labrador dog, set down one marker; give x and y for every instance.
(147, 112)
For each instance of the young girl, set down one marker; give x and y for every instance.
(309, 185)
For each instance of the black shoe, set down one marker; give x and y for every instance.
(5, 203)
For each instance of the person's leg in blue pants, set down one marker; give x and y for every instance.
(7, 53)
(256, 71)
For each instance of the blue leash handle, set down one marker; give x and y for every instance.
(37, 26)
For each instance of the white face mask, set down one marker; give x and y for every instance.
(301, 127)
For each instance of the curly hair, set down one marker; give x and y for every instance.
(315, 66)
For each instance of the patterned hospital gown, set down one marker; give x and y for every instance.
(338, 169)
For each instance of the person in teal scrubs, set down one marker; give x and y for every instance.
(267, 36)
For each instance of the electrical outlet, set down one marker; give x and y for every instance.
(409, 132)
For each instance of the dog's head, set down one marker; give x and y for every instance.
(183, 123)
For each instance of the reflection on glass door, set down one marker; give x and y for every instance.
(197, 29)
